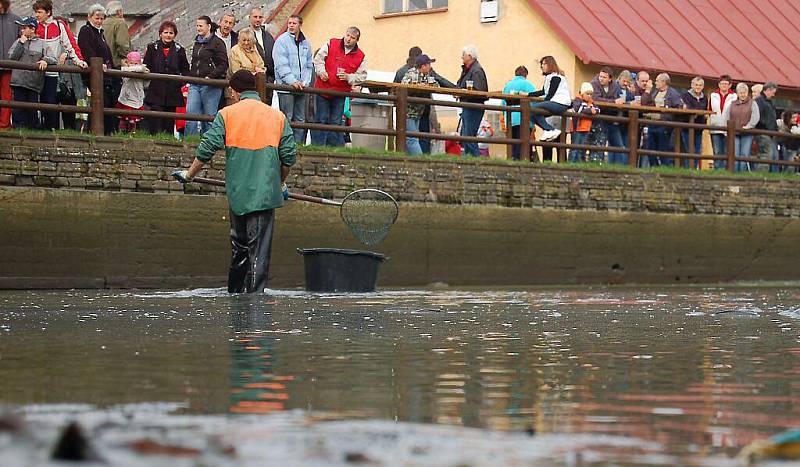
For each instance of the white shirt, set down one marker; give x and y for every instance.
(226, 40)
(259, 36)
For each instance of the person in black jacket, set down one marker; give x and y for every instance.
(472, 78)
(264, 43)
(92, 43)
(210, 61)
(767, 149)
(165, 56)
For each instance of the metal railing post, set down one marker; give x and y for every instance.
(731, 146)
(633, 138)
(525, 129)
(261, 87)
(96, 102)
(402, 114)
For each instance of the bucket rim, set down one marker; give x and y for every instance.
(342, 251)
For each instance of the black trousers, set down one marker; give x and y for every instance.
(161, 125)
(516, 150)
(251, 243)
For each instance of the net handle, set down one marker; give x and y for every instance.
(297, 196)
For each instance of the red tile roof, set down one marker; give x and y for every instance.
(688, 37)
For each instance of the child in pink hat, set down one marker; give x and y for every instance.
(131, 97)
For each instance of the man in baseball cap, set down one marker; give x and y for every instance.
(419, 75)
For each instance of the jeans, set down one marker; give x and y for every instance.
(412, 144)
(329, 111)
(768, 150)
(594, 137)
(744, 144)
(550, 106)
(659, 139)
(614, 137)
(578, 137)
(470, 122)
(719, 143)
(425, 127)
(698, 144)
(49, 95)
(203, 100)
(25, 118)
(294, 107)
(789, 155)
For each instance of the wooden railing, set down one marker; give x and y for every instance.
(400, 95)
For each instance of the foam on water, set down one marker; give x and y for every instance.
(793, 313)
(299, 438)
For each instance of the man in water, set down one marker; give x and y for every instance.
(260, 149)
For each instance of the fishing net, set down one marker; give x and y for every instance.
(369, 214)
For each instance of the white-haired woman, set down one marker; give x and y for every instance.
(244, 56)
(745, 115)
(93, 44)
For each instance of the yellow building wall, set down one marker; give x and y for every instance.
(519, 37)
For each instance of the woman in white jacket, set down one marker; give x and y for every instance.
(557, 98)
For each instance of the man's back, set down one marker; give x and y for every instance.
(257, 141)
(115, 30)
(769, 115)
(251, 124)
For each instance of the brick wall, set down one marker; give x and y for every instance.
(115, 164)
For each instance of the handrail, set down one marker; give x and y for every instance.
(381, 86)
(401, 95)
(15, 65)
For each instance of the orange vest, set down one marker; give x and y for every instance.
(251, 124)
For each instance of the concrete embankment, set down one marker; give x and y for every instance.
(102, 213)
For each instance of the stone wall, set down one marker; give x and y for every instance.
(115, 164)
(80, 212)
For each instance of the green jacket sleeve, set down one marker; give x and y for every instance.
(213, 140)
(123, 40)
(287, 151)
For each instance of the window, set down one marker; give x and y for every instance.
(402, 6)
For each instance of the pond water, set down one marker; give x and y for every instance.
(629, 377)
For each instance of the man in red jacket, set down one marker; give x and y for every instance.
(339, 65)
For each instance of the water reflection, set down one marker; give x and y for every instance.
(701, 372)
(255, 386)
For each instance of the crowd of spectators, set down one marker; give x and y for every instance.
(748, 108)
(340, 65)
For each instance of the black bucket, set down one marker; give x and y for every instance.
(336, 270)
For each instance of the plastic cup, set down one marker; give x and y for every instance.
(470, 84)
(637, 100)
(431, 80)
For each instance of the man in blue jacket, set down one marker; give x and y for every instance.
(293, 67)
(518, 85)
